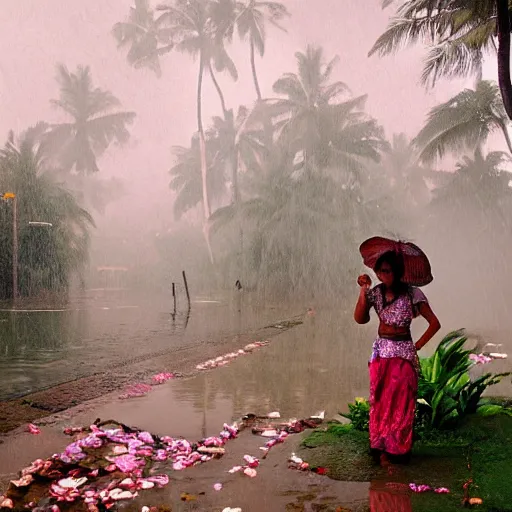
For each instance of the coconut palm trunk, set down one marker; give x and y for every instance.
(254, 72)
(234, 164)
(204, 166)
(504, 55)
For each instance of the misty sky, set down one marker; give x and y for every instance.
(36, 35)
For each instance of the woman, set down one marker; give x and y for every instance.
(394, 364)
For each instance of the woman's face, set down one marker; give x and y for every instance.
(385, 274)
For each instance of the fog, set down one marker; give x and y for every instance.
(469, 289)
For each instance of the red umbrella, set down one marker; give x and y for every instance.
(416, 264)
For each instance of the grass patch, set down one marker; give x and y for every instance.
(440, 459)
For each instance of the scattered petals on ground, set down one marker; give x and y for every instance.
(111, 462)
(33, 429)
(427, 488)
(160, 378)
(231, 356)
(135, 391)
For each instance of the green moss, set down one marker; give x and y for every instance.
(440, 459)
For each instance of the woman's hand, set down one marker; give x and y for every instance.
(364, 281)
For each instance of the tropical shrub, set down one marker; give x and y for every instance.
(359, 414)
(446, 391)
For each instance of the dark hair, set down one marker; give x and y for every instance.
(396, 262)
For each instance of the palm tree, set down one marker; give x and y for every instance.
(187, 178)
(251, 18)
(47, 255)
(459, 33)
(93, 127)
(296, 225)
(194, 33)
(398, 178)
(464, 121)
(145, 36)
(479, 183)
(311, 118)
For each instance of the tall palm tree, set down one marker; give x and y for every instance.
(311, 117)
(94, 123)
(251, 19)
(399, 176)
(145, 36)
(194, 33)
(47, 255)
(480, 183)
(464, 121)
(459, 34)
(187, 178)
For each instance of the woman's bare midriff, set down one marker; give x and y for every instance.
(390, 331)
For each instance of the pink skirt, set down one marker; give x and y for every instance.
(393, 390)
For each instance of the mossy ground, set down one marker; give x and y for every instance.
(480, 449)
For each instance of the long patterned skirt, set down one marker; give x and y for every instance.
(393, 390)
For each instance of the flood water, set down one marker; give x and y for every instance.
(41, 346)
(318, 365)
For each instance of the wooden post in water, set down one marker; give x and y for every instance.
(174, 296)
(186, 288)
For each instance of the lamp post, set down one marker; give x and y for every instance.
(6, 197)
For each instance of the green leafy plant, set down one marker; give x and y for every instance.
(446, 392)
(359, 414)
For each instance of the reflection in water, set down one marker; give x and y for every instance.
(389, 497)
(39, 349)
(318, 366)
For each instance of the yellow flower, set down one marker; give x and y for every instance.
(9, 195)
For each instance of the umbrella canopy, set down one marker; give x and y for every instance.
(416, 264)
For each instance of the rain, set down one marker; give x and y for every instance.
(184, 189)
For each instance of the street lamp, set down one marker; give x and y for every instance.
(6, 197)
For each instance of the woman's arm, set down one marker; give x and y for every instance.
(433, 324)
(362, 310)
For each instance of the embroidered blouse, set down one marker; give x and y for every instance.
(398, 313)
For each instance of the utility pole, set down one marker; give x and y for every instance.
(14, 248)
(5, 197)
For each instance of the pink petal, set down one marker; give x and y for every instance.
(33, 429)
(119, 450)
(72, 483)
(159, 378)
(235, 469)
(146, 437)
(125, 463)
(442, 490)
(6, 503)
(159, 480)
(251, 461)
(217, 487)
(24, 481)
(250, 472)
